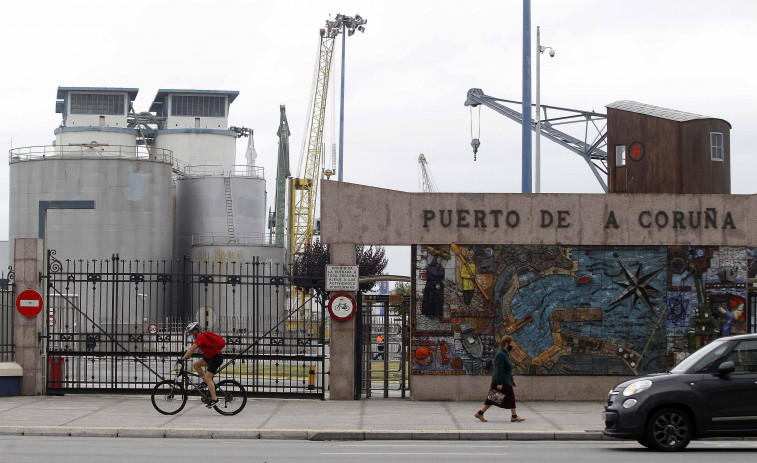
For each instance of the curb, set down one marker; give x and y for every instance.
(301, 434)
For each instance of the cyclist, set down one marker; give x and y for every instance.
(211, 345)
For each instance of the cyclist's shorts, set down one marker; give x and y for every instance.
(214, 363)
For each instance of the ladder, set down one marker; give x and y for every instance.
(229, 209)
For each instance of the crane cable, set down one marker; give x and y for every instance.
(475, 143)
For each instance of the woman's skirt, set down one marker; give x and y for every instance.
(508, 401)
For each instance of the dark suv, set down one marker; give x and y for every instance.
(712, 393)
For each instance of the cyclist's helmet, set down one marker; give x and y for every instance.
(192, 326)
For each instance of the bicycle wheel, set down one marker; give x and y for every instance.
(168, 397)
(231, 397)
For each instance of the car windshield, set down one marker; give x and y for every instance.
(702, 359)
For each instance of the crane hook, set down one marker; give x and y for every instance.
(475, 144)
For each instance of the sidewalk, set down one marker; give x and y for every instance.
(372, 419)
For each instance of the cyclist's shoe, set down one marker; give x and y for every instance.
(211, 403)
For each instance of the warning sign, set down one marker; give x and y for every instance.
(341, 278)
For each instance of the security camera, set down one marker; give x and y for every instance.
(551, 53)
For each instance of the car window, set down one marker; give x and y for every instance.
(702, 359)
(744, 355)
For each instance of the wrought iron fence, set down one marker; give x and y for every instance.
(119, 325)
(7, 307)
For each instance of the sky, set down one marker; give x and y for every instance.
(406, 77)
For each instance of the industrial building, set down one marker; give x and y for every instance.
(164, 182)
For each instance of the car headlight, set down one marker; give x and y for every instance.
(636, 387)
(629, 403)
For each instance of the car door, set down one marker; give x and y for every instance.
(730, 401)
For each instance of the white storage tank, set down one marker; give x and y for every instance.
(196, 126)
(248, 305)
(229, 208)
(133, 196)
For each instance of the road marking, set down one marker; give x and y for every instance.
(464, 454)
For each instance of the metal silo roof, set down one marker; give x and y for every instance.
(657, 111)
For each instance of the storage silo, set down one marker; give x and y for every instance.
(130, 186)
(196, 127)
(220, 226)
(96, 157)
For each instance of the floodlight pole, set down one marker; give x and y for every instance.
(341, 109)
(526, 154)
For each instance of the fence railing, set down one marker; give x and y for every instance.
(7, 307)
(217, 170)
(89, 151)
(119, 325)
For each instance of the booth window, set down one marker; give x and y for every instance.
(716, 146)
(620, 156)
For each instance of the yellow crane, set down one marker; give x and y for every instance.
(304, 189)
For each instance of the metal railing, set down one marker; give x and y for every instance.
(119, 325)
(7, 307)
(89, 151)
(217, 170)
(251, 238)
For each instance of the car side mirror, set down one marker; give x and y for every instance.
(726, 368)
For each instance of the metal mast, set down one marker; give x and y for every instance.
(304, 190)
(277, 220)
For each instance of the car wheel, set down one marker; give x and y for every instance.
(668, 430)
(643, 441)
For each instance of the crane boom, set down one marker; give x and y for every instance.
(282, 173)
(590, 152)
(429, 186)
(304, 190)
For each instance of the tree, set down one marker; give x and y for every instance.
(309, 268)
(402, 288)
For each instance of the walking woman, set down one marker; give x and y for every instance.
(501, 390)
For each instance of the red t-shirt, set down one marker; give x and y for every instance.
(206, 346)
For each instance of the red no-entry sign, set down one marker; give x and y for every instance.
(29, 303)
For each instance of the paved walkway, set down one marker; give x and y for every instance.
(134, 416)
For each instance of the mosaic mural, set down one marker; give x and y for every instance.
(581, 310)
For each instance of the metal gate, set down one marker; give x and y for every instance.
(117, 325)
(383, 337)
(7, 307)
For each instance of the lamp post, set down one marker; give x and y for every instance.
(539, 50)
(526, 121)
(348, 25)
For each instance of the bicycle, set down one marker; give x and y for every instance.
(170, 396)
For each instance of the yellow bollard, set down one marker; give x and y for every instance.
(311, 377)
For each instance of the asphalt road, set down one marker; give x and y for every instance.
(23, 449)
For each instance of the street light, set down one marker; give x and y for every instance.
(348, 25)
(539, 50)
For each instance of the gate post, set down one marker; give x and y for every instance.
(29, 265)
(342, 345)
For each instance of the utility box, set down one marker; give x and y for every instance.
(10, 379)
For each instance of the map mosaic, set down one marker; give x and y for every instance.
(573, 310)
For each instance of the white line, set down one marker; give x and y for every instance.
(427, 445)
(464, 454)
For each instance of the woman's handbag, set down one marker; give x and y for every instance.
(496, 396)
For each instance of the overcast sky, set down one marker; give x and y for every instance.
(406, 77)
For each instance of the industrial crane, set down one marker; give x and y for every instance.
(304, 190)
(590, 151)
(276, 220)
(429, 185)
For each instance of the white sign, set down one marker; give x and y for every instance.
(341, 278)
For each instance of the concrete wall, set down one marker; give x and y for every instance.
(367, 215)
(355, 214)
